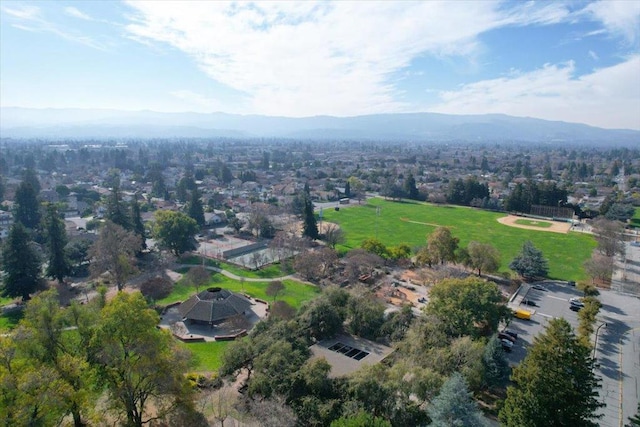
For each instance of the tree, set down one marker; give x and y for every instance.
(333, 235)
(21, 264)
(156, 288)
(442, 245)
(467, 306)
(59, 265)
(27, 207)
(236, 223)
(114, 252)
(320, 319)
(530, 263)
(555, 384)
(608, 234)
(635, 420)
(310, 225)
(136, 222)
(410, 188)
(43, 338)
(197, 276)
(599, 267)
(274, 288)
(116, 208)
(620, 212)
(496, 366)
(175, 231)
(375, 246)
(361, 419)
(138, 363)
(195, 209)
(365, 316)
(454, 406)
(483, 257)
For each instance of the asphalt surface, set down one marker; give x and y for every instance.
(618, 342)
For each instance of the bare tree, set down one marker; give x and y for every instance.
(316, 265)
(114, 252)
(282, 310)
(608, 234)
(599, 267)
(197, 276)
(358, 262)
(274, 288)
(333, 235)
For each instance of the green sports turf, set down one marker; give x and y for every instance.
(531, 223)
(412, 222)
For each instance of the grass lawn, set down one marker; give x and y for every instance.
(5, 300)
(268, 272)
(541, 224)
(295, 293)
(412, 222)
(207, 356)
(9, 320)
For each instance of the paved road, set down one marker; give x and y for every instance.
(618, 346)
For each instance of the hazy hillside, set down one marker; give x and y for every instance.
(74, 123)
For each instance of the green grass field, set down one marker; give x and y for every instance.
(531, 223)
(410, 223)
(295, 293)
(207, 356)
(268, 272)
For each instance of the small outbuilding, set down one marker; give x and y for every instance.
(213, 306)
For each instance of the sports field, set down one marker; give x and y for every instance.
(409, 222)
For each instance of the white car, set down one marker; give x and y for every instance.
(506, 344)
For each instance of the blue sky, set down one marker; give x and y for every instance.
(572, 61)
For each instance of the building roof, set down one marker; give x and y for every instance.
(214, 305)
(347, 353)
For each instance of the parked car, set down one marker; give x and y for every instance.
(538, 287)
(510, 332)
(576, 304)
(506, 345)
(504, 336)
(529, 302)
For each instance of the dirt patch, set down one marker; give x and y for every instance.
(555, 226)
(421, 223)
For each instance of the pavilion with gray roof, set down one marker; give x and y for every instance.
(213, 306)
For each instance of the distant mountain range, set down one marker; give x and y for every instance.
(418, 127)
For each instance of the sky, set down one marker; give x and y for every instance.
(572, 61)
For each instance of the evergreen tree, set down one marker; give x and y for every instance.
(454, 405)
(310, 226)
(195, 209)
(27, 207)
(29, 175)
(530, 263)
(136, 222)
(2, 188)
(555, 384)
(496, 366)
(410, 188)
(116, 209)
(347, 189)
(59, 265)
(21, 264)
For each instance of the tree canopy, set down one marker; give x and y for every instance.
(175, 231)
(114, 252)
(467, 306)
(530, 263)
(59, 265)
(21, 264)
(454, 406)
(555, 384)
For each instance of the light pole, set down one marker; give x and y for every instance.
(595, 344)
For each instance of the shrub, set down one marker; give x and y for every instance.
(156, 288)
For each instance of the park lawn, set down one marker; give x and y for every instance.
(10, 320)
(566, 252)
(206, 356)
(6, 300)
(294, 293)
(267, 272)
(541, 224)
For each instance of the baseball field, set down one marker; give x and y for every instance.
(411, 222)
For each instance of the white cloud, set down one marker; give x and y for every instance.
(608, 97)
(620, 18)
(306, 58)
(30, 18)
(72, 11)
(593, 55)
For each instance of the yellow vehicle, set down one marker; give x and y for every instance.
(522, 314)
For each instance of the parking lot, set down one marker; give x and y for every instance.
(618, 346)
